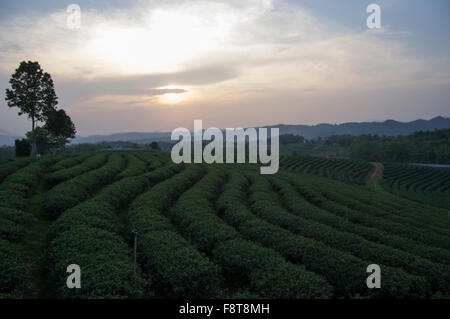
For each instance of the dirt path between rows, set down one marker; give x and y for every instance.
(35, 245)
(377, 172)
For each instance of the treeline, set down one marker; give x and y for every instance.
(419, 147)
(422, 147)
(10, 152)
(111, 146)
(7, 152)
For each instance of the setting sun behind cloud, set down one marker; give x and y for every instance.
(271, 62)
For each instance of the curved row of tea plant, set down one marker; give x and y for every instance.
(414, 219)
(68, 162)
(14, 221)
(313, 195)
(232, 208)
(135, 166)
(244, 264)
(66, 174)
(428, 185)
(72, 192)
(89, 235)
(177, 269)
(342, 169)
(438, 275)
(152, 159)
(383, 202)
(325, 213)
(308, 243)
(222, 231)
(11, 166)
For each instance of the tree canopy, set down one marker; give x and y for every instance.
(32, 91)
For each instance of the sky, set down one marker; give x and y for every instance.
(157, 65)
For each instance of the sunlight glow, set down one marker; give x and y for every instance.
(168, 39)
(172, 97)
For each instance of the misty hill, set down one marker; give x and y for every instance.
(8, 140)
(136, 137)
(386, 128)
(4, 132)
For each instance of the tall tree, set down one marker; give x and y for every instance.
(32, 91)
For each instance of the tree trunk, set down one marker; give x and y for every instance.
(33, 140)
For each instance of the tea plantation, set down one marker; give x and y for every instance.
(217, 231)
(430, 185)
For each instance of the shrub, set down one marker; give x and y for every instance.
(105, 261)
(22, 147)
(12, 166)
(69, 162)
(177, 269)
(266, 272)
(65, 174)
(135, 166)
(87, 235)
(13, 273)
(76, 190)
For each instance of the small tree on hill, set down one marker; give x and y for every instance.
(22, 147)
(42, 138)
(32, 91)
(60, 128)
(155, 146)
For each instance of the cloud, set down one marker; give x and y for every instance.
(228, 53)
(81, 89)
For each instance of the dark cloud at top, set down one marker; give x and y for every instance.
(33, 7)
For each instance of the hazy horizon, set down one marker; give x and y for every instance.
(147, 66)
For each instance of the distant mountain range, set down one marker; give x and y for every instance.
(137, 137)
(8, 140)
(387, 128)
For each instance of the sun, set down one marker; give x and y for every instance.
(172, 97)
(173, 94)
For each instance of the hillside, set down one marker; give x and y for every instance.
(212, 231)
(8, 140)
(386, 128)
(419, 147)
